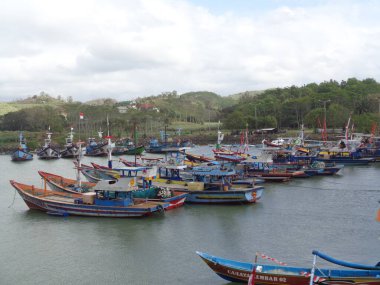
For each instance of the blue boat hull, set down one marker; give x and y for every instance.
(232, 196)
(346, 161)
(236, 271)
(21, 155)
(64, 207)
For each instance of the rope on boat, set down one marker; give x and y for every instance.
(14, 198)
(264, 256)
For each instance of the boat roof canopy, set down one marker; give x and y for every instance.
(345, 263)
(125, 184)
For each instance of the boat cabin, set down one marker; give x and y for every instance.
(214, 178)
(112, 193)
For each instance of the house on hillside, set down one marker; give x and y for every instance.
(147, 106)
(125, 107)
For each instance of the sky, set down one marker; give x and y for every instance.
(126, 49)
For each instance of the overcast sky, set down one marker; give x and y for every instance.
(126, 49)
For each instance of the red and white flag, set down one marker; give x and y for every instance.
(81, 116)
(270, 258)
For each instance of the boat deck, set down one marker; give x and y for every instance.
(139, 203)
(180, 187)
(61, 199)
(170, 186)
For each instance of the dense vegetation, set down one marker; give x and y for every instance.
(281, 107)
(292, 106)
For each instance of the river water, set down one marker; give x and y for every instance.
(335, 215)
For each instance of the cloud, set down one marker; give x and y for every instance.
(127, 49)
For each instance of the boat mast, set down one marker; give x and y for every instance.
(135, 139)
(109, 146)
(165, 138)
(302, 135)
(346, 134)
(80, 153)
(220, 137)
(79, 164)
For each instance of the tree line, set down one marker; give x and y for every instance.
(283, 108)
(310, 105)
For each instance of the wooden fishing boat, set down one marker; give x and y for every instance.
(236, 271)
(214, 185)
(128, 150)
(94, 148)
(175, 198)
(95, 175)
(319, 168)
(155, 194)
(98, 166)
(21, 153)
(137, 150)
(281, 173)
(344, 157)
(48, 151)
(142, 161)
(82, 165)
(229, 157)
(275, 143)
(59, 183)
(167, 147)
(71, 150)
(109, 199)
(197, 158)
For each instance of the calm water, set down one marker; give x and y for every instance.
(335, 215)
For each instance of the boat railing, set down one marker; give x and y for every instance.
(46, 192)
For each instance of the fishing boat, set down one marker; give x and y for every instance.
(319, 168)
(229, 157)
(109, 199)
(98, 166)
(135, 163)
(95, 148)
(95, 175)
(166, 147)
(48, 151)
(236, 271)
(274, 143)
(21, 153)
(221, 152)
(175, 198)
(343, 157)
(70, 150)
(197, 158)
(60, 183)
(127, 148)
(214, 185)
(155, 194)
(135, 150)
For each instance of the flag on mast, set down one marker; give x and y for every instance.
(81, 116)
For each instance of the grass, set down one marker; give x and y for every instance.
(6, 108)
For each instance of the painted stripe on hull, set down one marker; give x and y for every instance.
(220, 197)
(176, 204)
(82, 210)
